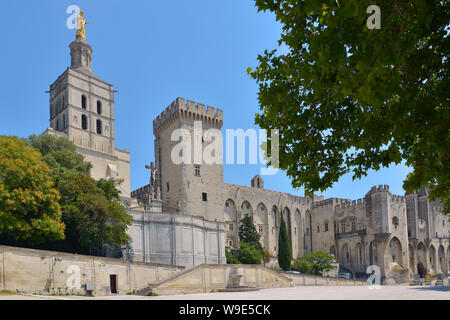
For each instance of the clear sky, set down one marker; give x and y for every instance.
(152, 51)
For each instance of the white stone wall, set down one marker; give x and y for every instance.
(176, 239)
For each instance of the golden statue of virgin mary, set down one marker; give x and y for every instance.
(81, 27)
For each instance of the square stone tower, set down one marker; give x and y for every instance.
(82, 109)
(194, 186)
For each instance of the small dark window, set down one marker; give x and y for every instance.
(99, 107)
(99, 126)
(326, 227)
(83, 102)
(318, 229)
(168, 186)
(197, 170)
(84, 124)
(204, 196)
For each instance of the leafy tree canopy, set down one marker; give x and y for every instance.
(29, 210)
(347, 98)
(91, 210)
(316, 263)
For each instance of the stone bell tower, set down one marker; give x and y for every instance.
(82, 109)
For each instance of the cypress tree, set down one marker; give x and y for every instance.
(284, 247)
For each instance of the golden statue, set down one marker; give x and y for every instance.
(81, 27)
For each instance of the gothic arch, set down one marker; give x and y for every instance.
(260, 220)
(287, 221)
(297, 233)
(395, 251)
(432, 259)
(441, 260)
(308, 232)
(231, 223)
(421, 259)
(246, 209)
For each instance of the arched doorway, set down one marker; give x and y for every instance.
(421, 270)
(421, 259)
(395, 251)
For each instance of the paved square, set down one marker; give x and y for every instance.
(400, 292)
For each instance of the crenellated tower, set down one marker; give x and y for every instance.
(190, 131)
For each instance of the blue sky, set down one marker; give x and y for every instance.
(152, 51)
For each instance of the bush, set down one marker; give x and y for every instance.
(250, 254)
(302, 266)
(231, 258)
(316, 263)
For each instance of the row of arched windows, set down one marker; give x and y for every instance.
(84, 104)
(84, 124)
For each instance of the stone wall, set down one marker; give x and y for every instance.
(176, 239)
(48, 272)
(300, 279)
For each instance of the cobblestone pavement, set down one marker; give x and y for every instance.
(401, 292)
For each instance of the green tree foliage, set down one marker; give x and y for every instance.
(231, 258)
(301, 266)
(248, 233)
(249, 253)
(316, 263)
(91, 218)
(29, 210)
(284, 247)
(91, 210)
(349, 99)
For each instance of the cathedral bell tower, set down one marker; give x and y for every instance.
(82, 109)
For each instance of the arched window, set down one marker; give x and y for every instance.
(83, 102)
(99, 126)
(84, 124)
(99, 107)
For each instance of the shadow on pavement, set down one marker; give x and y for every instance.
(434, 288)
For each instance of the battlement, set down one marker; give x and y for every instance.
(397, 198)
(328, 202)
(379, 188)
(351, 204)
(188, 110)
